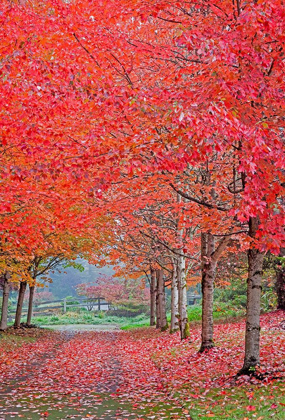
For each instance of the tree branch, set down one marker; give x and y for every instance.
(220, 249)
(85, 49)
(195, 200)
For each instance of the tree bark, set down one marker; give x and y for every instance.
(174, 300)
(21, 295)
(30, 307)
(208, 267)
(182, 299)
(280, 288)
(252, 332)
(280, 282)
(209, 258)
(158, 308)
(5, 301)
(164, 323)
(152, 297)
(161, 300)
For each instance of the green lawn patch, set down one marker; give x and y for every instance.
(262, 402)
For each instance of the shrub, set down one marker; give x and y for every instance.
(71, 300)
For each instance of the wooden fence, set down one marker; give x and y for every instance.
(193, 299)
(54, 307)
(62, 306)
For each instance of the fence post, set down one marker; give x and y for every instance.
(64, 305)
(99, 304)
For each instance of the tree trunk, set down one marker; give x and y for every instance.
(161, 300)
(208, 277)
(182, 299)
(252, 333)
(174, 300)
(21, 295)
(164, 323)
(280, 288)
(158, 308)
(152, 297)
(30, 308)
(5, 301)
(280, 282)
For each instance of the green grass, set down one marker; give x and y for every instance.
(262, 402)
(93, 406)
(100, 318)
(221, 311)
(10, 342)
(130, 326)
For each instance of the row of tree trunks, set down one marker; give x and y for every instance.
(4, 312)
(209, 258)
(179, 316)
(21, 295)
(157, 300)
(161, 301)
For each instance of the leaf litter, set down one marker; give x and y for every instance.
(139, 374)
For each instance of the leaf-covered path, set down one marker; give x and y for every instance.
(76, 375)
(63, 375)
(141, 374)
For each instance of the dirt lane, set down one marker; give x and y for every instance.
(70, 376)
(95, 375)
(83, 327)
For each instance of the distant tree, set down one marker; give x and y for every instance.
(66, 279)
(120, 292)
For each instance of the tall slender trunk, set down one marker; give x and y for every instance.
(157, 301)
(162, 301)
(5, 301)
(280, 288)
(280, 283)
(21, 295)
(209, 258)
(152, 296)
(174, 300)
(252, 332)
(164, 323)
(30, 307)
(182, 299)
(208, 267)
(182, 285)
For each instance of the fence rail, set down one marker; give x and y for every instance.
(52, 307)
(193, 299)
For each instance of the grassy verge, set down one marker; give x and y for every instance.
(9, 342)
(206, 384)
(247, 402)
(70, 318)
(221, 312)
(141, 324)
